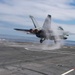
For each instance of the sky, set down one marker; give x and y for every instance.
(15, 14)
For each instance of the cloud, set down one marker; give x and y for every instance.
(59, 9)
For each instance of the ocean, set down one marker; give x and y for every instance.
(28, 38)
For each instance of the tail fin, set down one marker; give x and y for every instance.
(34, 22)
(47, 23)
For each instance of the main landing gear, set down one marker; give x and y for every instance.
(42, 39)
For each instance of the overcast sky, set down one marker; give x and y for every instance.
(15, 13)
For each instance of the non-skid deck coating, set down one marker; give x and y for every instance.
(18, 59)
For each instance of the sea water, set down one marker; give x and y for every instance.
(28, 38)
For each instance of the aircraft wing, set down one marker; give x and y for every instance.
(22, 30)
(47, 23)
(69, 33)
(47, 26)
(49, 31)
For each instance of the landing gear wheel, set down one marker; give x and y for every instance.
(41, 41)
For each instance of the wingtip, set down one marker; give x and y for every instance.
(49, 15)
(30, 16)
(14, 28)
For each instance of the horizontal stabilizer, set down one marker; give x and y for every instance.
(36, 25)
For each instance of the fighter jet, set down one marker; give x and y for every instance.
(45, 32)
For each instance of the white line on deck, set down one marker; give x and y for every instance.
(26, 48)
(68, 72)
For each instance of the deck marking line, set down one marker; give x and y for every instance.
(26, 48)
(68, 72)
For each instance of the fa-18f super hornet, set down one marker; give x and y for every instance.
(45, 32)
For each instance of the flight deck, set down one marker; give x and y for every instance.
(18, 59)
